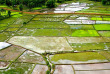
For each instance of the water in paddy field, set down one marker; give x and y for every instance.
(68, 8)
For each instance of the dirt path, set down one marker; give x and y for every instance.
(56, 13)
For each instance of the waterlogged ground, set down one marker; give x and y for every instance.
(74, 43)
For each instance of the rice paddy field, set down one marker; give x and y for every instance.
(56, 43)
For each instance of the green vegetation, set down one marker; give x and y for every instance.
(77, 56)
(50, 3)
(104, 2)
(102, 26)
(88, 46)
(96, 18)
(105, 54)
(85, 33)
(43, 24)
(21, 7)
(18, 68)
(82, 27)
(104, 33)
(20, 4)
(44, 32)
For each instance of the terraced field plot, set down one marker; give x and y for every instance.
(60, 43)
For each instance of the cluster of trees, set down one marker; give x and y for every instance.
(32, 3)
(104, 2)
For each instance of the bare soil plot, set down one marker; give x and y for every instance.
(31, 57)
(93, 72)
(41, 44)
(40, 69)
(11, 53)
(63, 69)
(92, 66)
(4, 65)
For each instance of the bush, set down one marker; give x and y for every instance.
(24, 23)
(21, 7)
(47, 72)
(47, 62)
(51, 3)
(9, 13)
(104, 2)
(53, 66)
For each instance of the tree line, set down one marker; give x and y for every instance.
(104, 2)
(32, 3)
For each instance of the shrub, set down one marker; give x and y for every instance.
(104, 2)
(47, 72)
(47, 62)
(24, 23)
(53, 66)
(51, 3)
(9, 13)
(21, 7)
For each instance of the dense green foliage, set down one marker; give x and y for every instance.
(31, 3)
(50, 3)
(21, 7)
(104, 2)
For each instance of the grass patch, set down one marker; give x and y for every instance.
(78, 56)
(88, 46)
(96, 18)
(104, 33)
(12, 29)
(8, 20)
(4, 36)
(44, 32)
(18, 68)
(85, 33)
(102, 27)
(48, 19)
(3, 25)
(54, 15)
(105, 54)
(18, 15)
(85, 27)
(39, 24)
(2, 28)
(106, 19)
(15, 25)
